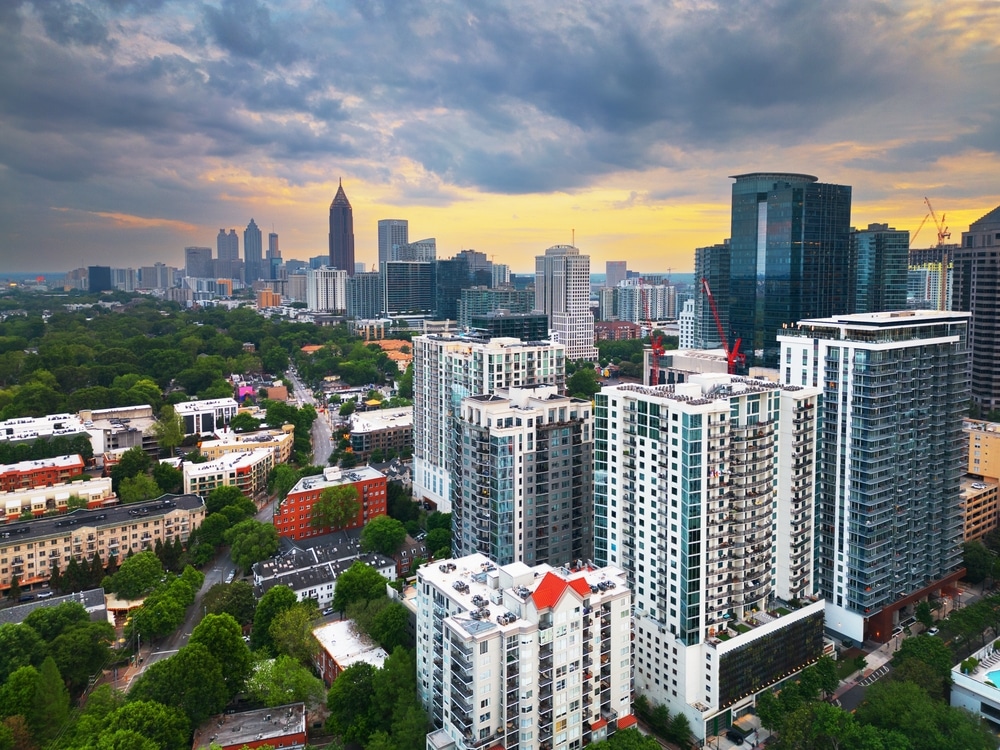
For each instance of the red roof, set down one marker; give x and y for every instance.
(627, 721)
(551, 589)
(599, 724)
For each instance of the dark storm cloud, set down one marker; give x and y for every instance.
(68, 22)
(244, 28)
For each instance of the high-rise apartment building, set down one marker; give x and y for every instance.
(711, 263)
(879, 265)
(156, 276)
(888, 513)
(638, 302)
(198, 262)
(342, 232)
(615, 272)
(391, 234)
(421, 250)
(478, 301)
(364, 295)
(447, 369)
(409, 287)
(703, 494)
(253, 253)
(686, 326)
(522, 486)
(326, 289)
(977, 290)
(524, 658)
(562, 291)
(789, 259)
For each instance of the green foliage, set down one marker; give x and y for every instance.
(583, 383)
(438, 539)
(276, 600)
(359, 582)
(405, 388)
(351, 701)
(931, 651)
(979, 562)
(50, 706)
(275, 682)
(383, 619)
(281, 480)
(291, 633)
(137, 575)
(337, 507)
(213, 529)
(924, 614)
(191, 681)
(399, 503)
(50, 622)
(170, 480)
(166, 726)
(244, 422)
(133, 462)
(20, 646)
(384, 535)
(82, 652)
(17, 693)
(169, 430)
(235, 599)
(251, 541)
(222, 636)
(137, 489)
(221, 497)
(438, 520)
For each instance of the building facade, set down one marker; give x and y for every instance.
(54, 498)
(389, 431)
(686, 323)
(977, 282)
(409, 287)
(364, 295)
(326, 289)
(198, 262)
(40, 472)
(789, 259)
(889, 515)
(880, 259)
(207, 415)
(342, 232)
(391, 234)
(247, 471)
(522, 486)
(704, 495)
(253, 253)
(616, 271)
(711, 263)
(448, 368)
(520, 657)
(562, 291)
(30, 549)
(294, 515)
(480, 300)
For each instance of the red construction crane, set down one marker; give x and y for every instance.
(942, 230)
(734, 356)
(655, 342)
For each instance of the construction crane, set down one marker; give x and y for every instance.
(942, 231)
(942, 235)
(655, 342)
(913, 237)
(734, 356)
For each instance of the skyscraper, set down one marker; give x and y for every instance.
(977, 290)
(272, 245)
(391, 234)
(342, 232)
(889, 504)
(703, 494)
(198, 262)
(789, 258)
(409, 287)
(227, 245)
(422, 250)
(253, 253)
(326, 289)
(364, 295)
(562, 291)
(711, 263)
(879, 264)
(448, 368)
(615, 272)
(522, 488)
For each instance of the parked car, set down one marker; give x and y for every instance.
(734, 736)
(933, 631)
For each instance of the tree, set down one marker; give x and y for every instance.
(169, 429)
(826, 672)
(931, 651)
(137, 489)
(281, 480)
(138, 575)
(213, 529)
(222, 636)
(251, 541)
(405, 388)
(978, 561)
(14, 592)
(351, 701)
(438, 539)
(82, 652)
(169, 479)
(347, 408)
(275, 601)
(190, 680)
(17, 693)
(390, 627)
(221, 497)
(924, 614)
(244, 422)
(133, 462)
(359, 582)
(291, 633)
(275, 682)
(384, 535)
(337, 507)
(167, 727)
(235, 599)
(20, 646)
(50, 708)
(583, 383)
(50, 622)
(820, 725)
(438, 520)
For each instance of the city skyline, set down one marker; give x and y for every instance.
(133, 130)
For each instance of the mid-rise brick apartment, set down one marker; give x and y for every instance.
(46, 471)
(293, 517)
(29, 549)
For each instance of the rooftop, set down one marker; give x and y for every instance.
(259, 725)
(26, 428)
(42, 528)
(92, 600)
(58, 462)
(347, 646)
(228, 462)
(382, 419)
(195, 407)
(333, 477)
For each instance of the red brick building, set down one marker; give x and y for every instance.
(41, 473)
(293, 517)
(616, 330)
(279, 727)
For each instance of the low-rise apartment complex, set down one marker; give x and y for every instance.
(226, 442)
(45, 471)
(295, 515)
(247, 471)
(38, 501)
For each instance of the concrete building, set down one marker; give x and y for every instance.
(225, 442)
(279, 727)
(381, 430)
(617, 330)
(879, 257)
(981, 502)
(479, 300)
(424, 250)
(448, 368)
(30, 429)
(198, 262)
(562, 291)
(704, 494)
(29, 549)
(687, 323)
(206, 416)
(326, 289)
(247, 471)
(54, 498)
(522, 483)
(616, 271)
(638, 302)
(984, 448)
(975, 690)
(365, 295)
(253, 253)
(520, 657)
(121, 427)
(340, 646)
(888, 513)
(293, 517)
(391, 234)
(44, 471)
(977, 290)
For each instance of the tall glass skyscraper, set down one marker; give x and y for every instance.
(342, 232)
(789, 256)
(880, 259)
(391, 234)
(253, 252)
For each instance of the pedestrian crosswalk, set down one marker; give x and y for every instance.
(875, 676)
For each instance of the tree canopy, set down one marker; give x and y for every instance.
(336, 508)
(384, 535)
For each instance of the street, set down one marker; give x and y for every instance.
(322, 438)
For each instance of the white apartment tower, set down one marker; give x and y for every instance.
(391, 234)
(520, 657)
(326, 289)
(889, 511)
(562, 291)
(703, 494)
(523, 481)
(686, 325)
(448, 368)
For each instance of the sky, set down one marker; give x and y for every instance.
(130, 129)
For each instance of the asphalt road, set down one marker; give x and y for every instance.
(322, 432)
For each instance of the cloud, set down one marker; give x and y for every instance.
(133, 222)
